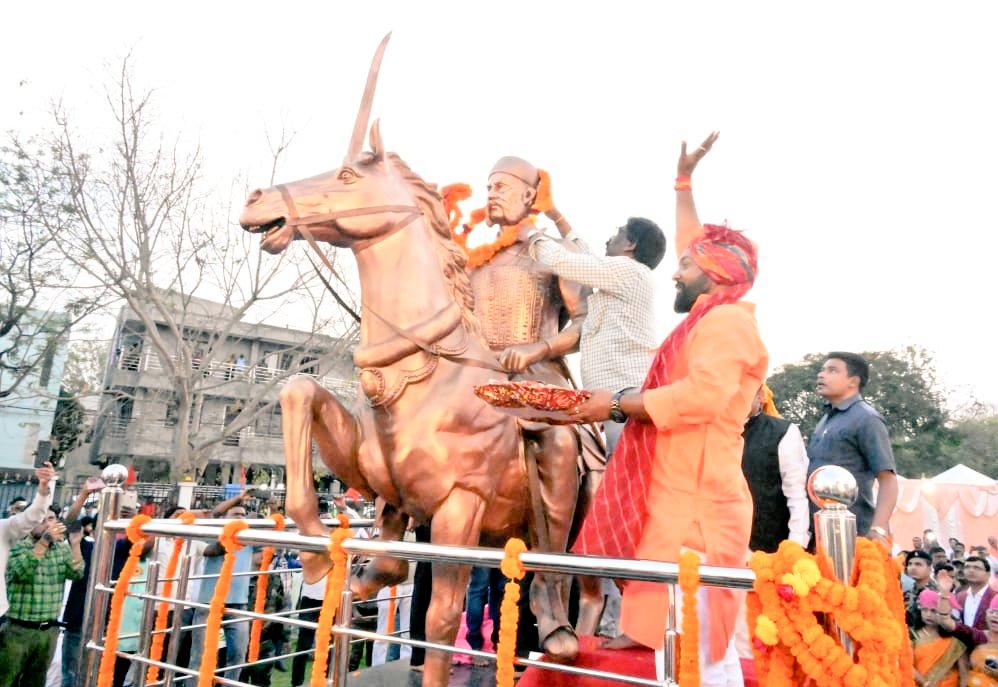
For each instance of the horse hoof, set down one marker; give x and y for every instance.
(562, 645)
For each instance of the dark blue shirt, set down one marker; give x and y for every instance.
(853, 435)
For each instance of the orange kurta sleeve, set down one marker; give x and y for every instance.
(723, 345)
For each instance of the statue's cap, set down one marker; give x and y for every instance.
(519, 168)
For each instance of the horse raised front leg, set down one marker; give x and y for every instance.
(458, 522)
(309, 410)
(383, 571)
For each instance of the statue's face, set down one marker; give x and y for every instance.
(509, 199)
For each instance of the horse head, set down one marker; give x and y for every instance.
(364, 199)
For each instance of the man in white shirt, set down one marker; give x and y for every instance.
(18, 526)
(618, 336)
(774, 461)
(976, 598)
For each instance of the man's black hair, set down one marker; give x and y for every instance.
(172, 510)
(856, 365)
(944, 565)
(15, 500)
(979, 559)
(648, 239)
(933, 550)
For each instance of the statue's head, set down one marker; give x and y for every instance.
(512, 188)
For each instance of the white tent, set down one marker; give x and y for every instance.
(959, 502)
(961, 474)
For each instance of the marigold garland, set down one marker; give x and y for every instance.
(479, 255)
(230, 542)
(788, 637)
(260, 602)
(163, 609)
(509, 613)
(331, 601)
(105, 673)
(689, 640)
(543, 201)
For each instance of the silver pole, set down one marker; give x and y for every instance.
(148, 621)
(178, 614)
(833, 489)
(95, 605)
(671, 654)
(341, 642)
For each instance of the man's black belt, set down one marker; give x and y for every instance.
(44, 625)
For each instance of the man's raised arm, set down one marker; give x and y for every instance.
(688, 226)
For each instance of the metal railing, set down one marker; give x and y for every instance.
(261, 533)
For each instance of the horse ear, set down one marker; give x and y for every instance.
(377, 145)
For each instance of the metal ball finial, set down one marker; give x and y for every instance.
(114, 475)
(832, 485)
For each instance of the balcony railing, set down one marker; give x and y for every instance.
(225, 372)
(145, 428)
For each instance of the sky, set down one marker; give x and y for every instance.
(858, 139)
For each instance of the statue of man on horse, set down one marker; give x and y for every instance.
(419, 438)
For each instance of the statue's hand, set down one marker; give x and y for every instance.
(689, 161)
(518, 358)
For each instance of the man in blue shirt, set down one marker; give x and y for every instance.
(854, 436)
(236, 634)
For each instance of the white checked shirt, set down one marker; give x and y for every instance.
(618, 336)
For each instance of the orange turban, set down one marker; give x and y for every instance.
(725, 255)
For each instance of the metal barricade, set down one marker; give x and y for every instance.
(261, 533)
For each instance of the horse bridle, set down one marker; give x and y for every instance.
(301, 224)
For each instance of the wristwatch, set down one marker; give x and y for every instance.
(876, 529)
(617, 413)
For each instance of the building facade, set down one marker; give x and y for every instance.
(196, 358)
(26, 414)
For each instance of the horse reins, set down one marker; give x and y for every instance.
(414, 213)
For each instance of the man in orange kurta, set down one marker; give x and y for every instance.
(680, 484)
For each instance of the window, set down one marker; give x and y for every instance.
(309, 365)
(48, 360)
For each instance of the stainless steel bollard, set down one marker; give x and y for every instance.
(340, 663)
(833, 489)
(148, 622)
(96, 604)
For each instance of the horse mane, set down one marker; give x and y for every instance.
(451, 257)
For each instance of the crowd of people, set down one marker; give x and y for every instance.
(45, 565)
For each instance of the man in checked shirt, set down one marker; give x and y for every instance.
(36, 576)
(618, 336)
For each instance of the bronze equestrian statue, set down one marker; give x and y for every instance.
(422, 442)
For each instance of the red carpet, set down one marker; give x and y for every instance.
(636, 662)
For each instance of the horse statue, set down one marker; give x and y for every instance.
(423, 442)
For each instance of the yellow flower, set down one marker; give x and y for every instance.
(765, 630)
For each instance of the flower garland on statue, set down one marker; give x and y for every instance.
(479, 255)
(105, 673)
(229, 541)
(509, 613)
(163, 610)
(689, 640)
(331, 601)
(260, 602)
(789, 644)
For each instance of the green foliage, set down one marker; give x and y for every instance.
(977, 447)
(903, 386)
(67, 426)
